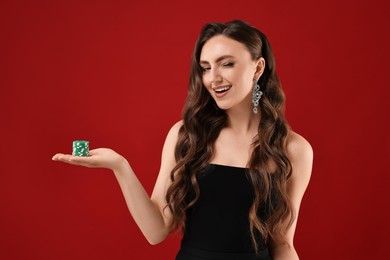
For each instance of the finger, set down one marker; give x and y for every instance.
(57, 156)
(93, 152)
(54, 158)
(80, 159)
(77, 160)
(83, 161)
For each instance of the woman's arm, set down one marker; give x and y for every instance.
(300, 155)
(148, 213)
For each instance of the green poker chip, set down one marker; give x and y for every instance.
(80, 148)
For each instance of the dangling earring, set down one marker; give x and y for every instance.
(256, 95)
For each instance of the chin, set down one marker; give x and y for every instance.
(222, 106)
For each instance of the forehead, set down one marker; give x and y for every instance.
(221, 45)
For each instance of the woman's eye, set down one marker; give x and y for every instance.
(205, 69)
(228, 64)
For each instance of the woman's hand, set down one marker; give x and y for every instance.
(98, 158)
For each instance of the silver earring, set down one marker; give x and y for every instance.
(256, 95)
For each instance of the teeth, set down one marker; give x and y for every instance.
(220, 90)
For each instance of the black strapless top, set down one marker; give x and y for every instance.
(218, 222)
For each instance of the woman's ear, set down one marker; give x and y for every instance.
(260, 65)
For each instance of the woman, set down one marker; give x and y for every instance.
(233, 174)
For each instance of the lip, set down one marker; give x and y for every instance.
(219, 95)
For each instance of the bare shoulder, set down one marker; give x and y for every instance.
(173, 132)
(300, 154)
(170, 143)
(297, 145)
(177, 126)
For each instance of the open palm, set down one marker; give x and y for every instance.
(98, 158)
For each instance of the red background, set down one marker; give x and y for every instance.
(115, 73)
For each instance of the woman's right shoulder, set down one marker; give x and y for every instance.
(174, 131)
(173, 134)
(177, 126)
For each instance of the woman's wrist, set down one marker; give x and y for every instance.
(121, 167)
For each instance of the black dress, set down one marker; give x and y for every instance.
(217, 226)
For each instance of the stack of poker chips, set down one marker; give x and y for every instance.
(80, 148)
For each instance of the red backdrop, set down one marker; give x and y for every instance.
(115, 73)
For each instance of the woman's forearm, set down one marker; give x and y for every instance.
(144, 211)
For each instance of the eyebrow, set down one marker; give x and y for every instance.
(217, 60)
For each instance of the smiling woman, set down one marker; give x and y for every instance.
(226, 63)
(233, 173)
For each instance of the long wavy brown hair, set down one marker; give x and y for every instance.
(202, 123)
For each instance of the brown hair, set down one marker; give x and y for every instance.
(203, 121)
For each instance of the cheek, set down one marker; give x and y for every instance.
(246, 78)
(206, 82)
(237, 79)
(238, 75)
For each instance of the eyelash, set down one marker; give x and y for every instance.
(228, 64)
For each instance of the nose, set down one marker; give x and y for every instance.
(214, 77)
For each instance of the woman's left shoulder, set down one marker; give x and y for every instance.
(300, 153)
(297, 144)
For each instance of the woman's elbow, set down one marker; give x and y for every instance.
(154, 242)
(157, 239)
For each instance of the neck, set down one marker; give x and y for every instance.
(243, 120)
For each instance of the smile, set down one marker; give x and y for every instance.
(222, 89)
